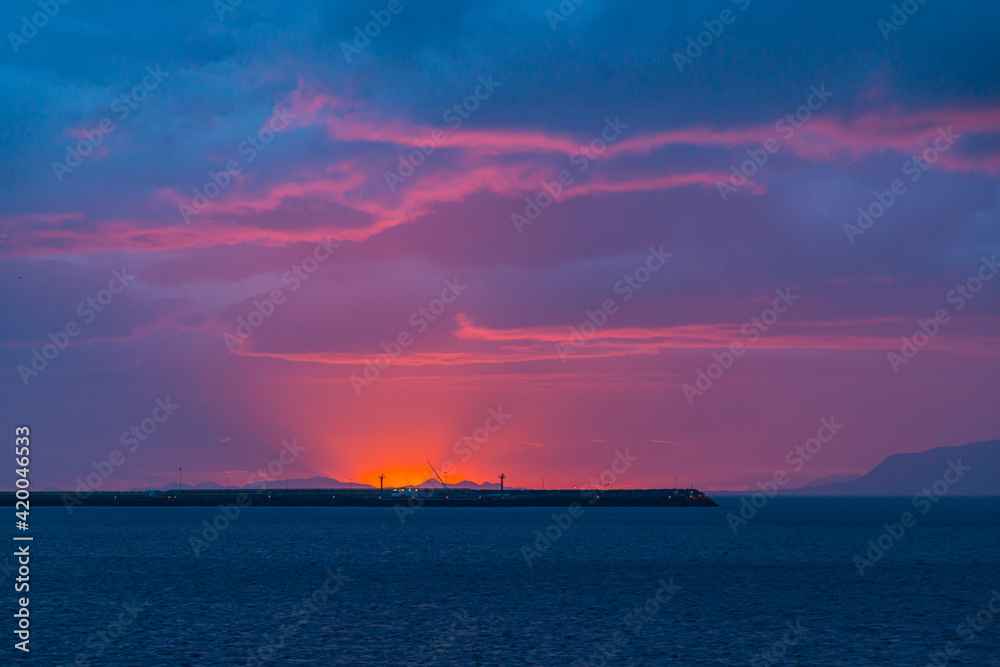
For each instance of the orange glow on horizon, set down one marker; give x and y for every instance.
(399, 476)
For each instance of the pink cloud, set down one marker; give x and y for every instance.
(492, 346)
(508, 163)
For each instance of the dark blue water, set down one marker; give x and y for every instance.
(122, 586)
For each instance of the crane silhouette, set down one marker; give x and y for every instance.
(439, 479)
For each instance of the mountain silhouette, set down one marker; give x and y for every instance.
(908, 474)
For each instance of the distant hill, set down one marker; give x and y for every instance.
(297, 483)
(831, 479)
(464, 484)
(321, 483)
(907, 474)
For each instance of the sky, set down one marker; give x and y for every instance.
(702, 237)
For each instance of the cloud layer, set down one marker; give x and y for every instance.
(802, 151)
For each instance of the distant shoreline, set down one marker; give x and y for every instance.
(802, 493)
(370, 498)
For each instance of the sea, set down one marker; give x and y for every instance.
(802, 581)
